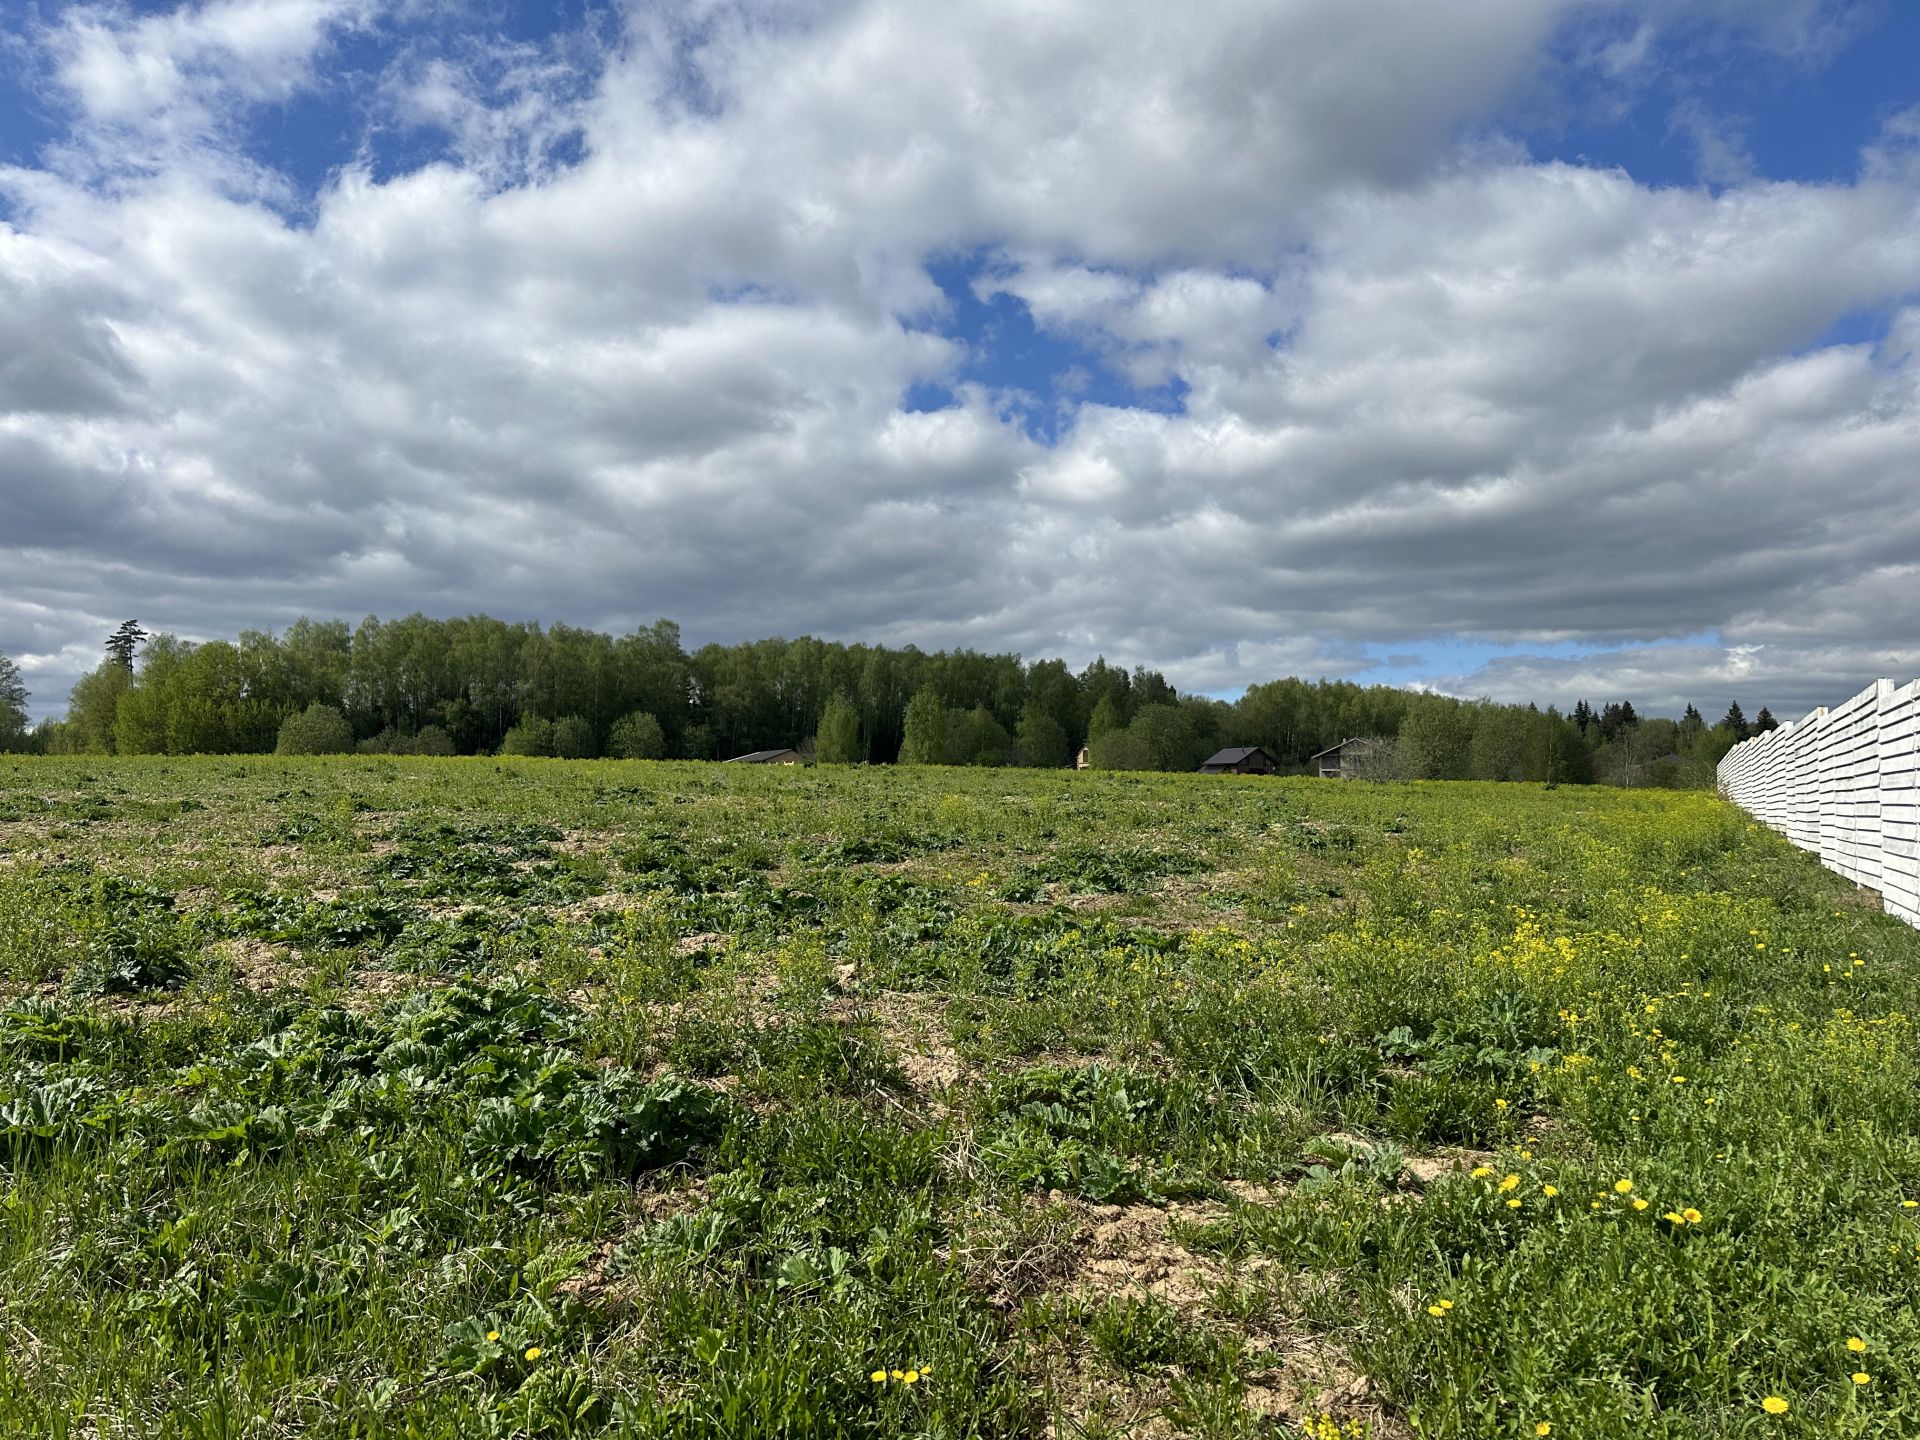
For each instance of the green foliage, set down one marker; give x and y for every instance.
(317, 730)
(838, 740)
(1041, 740)
(532, 736)
(13, 706)
(637, 737)
(573, 739)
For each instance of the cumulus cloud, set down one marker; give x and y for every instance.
(639, 334)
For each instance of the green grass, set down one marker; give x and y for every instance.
(473, 1098)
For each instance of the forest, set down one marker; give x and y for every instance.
(478, 685)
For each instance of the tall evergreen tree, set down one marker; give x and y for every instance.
(1764, 721)
(1583, 716)
(122, 643)
(1736, 721)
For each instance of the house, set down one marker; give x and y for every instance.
(769, 757)
(1240, 760)
(1363, 757)
(1080, 760)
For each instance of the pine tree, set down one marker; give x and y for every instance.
(1764, 721)
(1736, 720)
(1692, 723)
(1583, 716)
(121, 644)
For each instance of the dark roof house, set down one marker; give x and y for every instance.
(769, 757)
(1240, 760)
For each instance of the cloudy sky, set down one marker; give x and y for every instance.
(1531, 348)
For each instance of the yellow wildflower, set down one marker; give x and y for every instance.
(1545, 1427)
(1640, 1204)
(1774, 1405)
(1861, 1377)
(1512, 1182)
(1549, 1190)
(493, 1334)
(878, 1377)
(533, 1352)
(1857, 1345)
(1622, 1187)
(1513, 1204)
(1694, 1217)
(1480, 1172)
(912, 1377)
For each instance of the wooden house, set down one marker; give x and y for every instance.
(769, 757)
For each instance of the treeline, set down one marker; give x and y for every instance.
(477, 685)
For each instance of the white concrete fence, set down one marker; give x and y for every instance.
(1845, 784)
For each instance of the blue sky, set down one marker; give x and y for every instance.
(1539, 348)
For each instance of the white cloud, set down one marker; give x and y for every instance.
(1505, 399)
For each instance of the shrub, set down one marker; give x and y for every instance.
(573, 739)
(432, 740)
(317, 730)
(637, 737)
(532, 736)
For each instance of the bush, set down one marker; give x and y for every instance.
(317, 730)
(573, 739)
(637, 737)
(432, 740)
(531, 736)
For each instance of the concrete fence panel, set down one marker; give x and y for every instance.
(1845, 784)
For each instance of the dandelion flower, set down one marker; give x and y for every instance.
(533, 1352)
(1694, 1217)
(1774, 1405)
(912, 1377)
(898, 1374)
(1675, 1216)
(1435, 1311)
(1640, 1204)
(1512, 1182)
(1446, 1304)
(1621, 1187)
(1480, 1172)
(1545, 1427)
(1513, 1204)
(1499, 1104)
(1857, 1345)
(1861, 1377)
(878, 1377)
(1550, 1191)
(493, 1334)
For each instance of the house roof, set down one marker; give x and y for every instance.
(761, 757)
(1333, 749)
(1235, 755)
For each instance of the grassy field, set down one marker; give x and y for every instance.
(474, 1098)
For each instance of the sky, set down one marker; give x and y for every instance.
(1535, 349)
